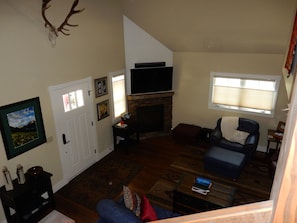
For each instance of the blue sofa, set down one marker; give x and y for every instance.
(111, 211)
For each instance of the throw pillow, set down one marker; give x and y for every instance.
(132, 200)
(239, 136)
(147, 211)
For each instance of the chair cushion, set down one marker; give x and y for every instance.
(248, 125)
(239, 136)
(234, 146)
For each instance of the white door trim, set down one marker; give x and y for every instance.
(52, 90)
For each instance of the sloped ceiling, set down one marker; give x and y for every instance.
(229, 26)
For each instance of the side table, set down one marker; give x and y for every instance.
(275, 138)
(28, 200)
(124, 131)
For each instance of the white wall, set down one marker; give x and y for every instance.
(29, 64)
(140, 47)
(192, 83)
(192, 78)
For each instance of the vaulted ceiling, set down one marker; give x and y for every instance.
(228, 26)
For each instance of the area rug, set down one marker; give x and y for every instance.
(161, 193)
(55, 217)
(254, 184)
(254, 178)
(105, 179)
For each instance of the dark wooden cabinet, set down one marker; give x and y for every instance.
(124, 132)
(28, 202)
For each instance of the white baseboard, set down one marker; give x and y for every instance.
(59, 185)
(63, 182)
(105, 152)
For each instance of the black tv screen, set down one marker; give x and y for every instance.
(151, 80)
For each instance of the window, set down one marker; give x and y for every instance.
(118, 95)
(73, 100)
(244, 92)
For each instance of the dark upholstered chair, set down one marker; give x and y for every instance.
(247, 147)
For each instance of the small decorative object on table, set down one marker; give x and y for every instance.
(34, 172)
(7, 179)
(121, 124)
(124, 117)
(20, 174)
(202, 185)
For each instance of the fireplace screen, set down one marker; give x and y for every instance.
(150, 118)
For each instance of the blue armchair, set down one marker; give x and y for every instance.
(247, 147)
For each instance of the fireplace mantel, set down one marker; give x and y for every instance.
(149, 96)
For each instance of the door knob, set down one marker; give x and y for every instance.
(64, 139)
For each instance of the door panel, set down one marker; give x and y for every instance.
(73, 113)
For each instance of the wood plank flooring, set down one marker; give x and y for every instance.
(154, 154)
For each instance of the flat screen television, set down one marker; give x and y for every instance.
(151, 80)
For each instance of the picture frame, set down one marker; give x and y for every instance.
(101, 86)
(22, 127)
(281, 127)
(103, 109)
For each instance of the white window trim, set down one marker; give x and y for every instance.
(112, 74)
(276, 78)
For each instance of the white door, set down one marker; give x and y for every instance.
(75, 126)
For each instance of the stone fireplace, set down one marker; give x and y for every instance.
(152, 112)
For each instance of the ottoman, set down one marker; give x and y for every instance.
(224, 162)
(187, 134)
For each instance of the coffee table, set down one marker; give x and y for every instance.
(186, 201)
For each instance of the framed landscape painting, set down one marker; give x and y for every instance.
(21, 126)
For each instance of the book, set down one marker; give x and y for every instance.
(202, 186)
(120, 125)
(199, 190)
(204, 182)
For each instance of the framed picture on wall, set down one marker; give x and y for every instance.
(101, 87)
(103, 109)
(21, 126)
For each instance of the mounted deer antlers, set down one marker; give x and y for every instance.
(53, 30)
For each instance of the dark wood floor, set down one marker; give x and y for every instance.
(154, 154)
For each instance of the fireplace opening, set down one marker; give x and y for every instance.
(150, 118)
